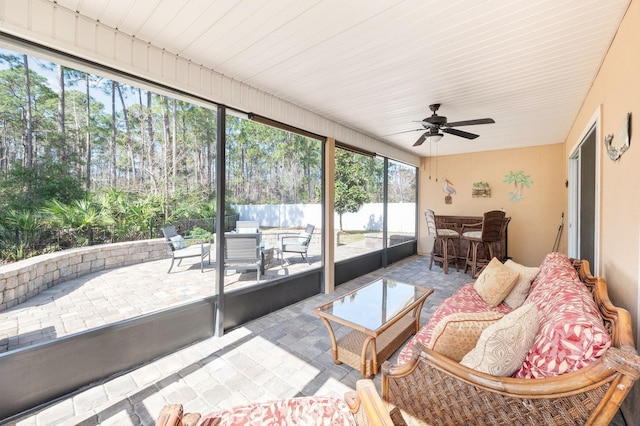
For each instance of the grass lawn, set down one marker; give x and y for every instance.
(347, 237)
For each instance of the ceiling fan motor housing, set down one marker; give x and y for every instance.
(434, 124)
(434, 120)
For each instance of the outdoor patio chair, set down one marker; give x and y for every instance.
(295, 242)
(180, 249)
(242, 252)
(247, 226)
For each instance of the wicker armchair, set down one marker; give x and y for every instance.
(432, 389)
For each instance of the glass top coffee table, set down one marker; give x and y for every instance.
(382, 316)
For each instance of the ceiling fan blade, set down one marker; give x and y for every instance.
(420, 140)
(404, 131)
(426, 124)
(460, 133)
(471, 122)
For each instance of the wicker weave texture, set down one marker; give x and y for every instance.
(430, 397)
(350, 346)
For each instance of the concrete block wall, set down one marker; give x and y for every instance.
(22, 280)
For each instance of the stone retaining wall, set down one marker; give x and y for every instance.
(22, 280)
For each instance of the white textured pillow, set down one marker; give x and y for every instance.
(520, 291)
(495, 282)
(178, 242)
(457, 333)
(503, 346)
(302, 238)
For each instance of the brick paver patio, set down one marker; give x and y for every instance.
(284, 354)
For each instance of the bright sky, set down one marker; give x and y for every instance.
(48, 70)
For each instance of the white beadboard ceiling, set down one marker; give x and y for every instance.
(376, 65)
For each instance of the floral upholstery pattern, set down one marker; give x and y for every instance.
(291, 412)
(572, 333)
(465, 299)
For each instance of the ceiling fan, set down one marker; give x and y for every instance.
(436, 123)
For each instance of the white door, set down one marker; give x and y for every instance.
(584, 200)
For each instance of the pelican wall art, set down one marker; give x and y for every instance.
(449, 190)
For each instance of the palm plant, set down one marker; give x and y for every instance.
(20, 232)
(23, 220)
(140, 214)
(131, 215)
(114, 203)
(80, 215)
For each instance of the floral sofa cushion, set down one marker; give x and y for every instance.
(465, 299)
(290, 412)
(572, 333)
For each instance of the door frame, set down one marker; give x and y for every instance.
(573, 168)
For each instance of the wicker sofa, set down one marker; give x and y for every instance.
(573, 373)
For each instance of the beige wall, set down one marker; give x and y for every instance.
(616, 91)
(534, 219)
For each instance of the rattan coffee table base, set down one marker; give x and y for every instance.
(356, 349)
(382, 315)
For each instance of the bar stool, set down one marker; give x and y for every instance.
(443, 236)
(491, 231)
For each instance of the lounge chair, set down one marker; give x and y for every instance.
(180, 249)
(295, 242)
